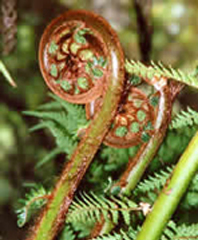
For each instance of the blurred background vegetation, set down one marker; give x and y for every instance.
(174, 26)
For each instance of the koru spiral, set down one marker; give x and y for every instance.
(75, 63)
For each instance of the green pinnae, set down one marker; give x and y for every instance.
(154, 100)
(130, 98)
(86, 54)
(115, 190)
(148, 126)
(53, 47)
(83, 83)
(121, 131)
(134, 127)
(66, 85)
(76, 91)
(80, 39)
(145, 137)
(141, 115)
(102, 62)
(74, 48)
(54, 70)
(97, 72)
(79, 36)
(135, 80)
(137, 102)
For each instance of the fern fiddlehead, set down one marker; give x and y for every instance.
(82, 62)
(148, 149)
(80, 26)
(74, 58)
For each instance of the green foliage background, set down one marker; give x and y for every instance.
(175, 25)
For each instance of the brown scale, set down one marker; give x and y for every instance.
(9, 25)
(68, 65)
(133, 124)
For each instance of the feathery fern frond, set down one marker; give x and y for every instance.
(65, 142)
(171, 232)
(184, 119)
(114, 236)
(67, 234)
(137, 68)
(187, 232)
(34, 200)
(190, 199)
(155, 182)
(91, 206)
(64, 120)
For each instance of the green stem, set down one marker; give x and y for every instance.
(138, 164)
(171, 195)
(53, 216)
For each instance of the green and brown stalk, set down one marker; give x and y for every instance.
(53, 216)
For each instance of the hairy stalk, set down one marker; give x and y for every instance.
(53, 216)
(170, 196)
(137, 165)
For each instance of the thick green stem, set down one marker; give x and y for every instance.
(169, 198)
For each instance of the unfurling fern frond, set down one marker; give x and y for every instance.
(33, 201)
(137, 68)
(91, 206)
(64, 120)
(155, 182)
(184, 119)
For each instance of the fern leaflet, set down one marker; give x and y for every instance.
(159, 70)
(64, 120)
(91, 206)
(184, 119)
(155, 182)
(34, 200)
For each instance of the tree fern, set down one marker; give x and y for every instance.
(34, 200)
(91, 206)
(159, 69)
(184, 119)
